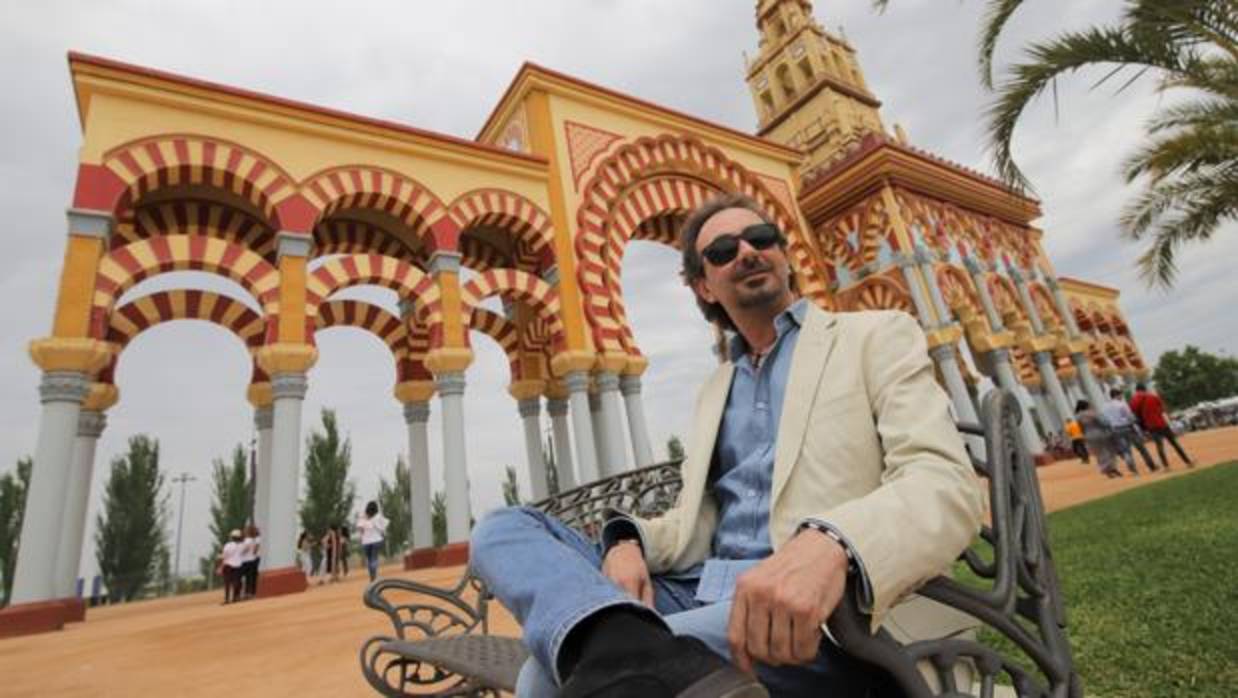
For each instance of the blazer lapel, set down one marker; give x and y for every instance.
(704, 435)
(812, 353)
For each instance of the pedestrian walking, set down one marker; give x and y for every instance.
(1077, 444)
(1150, 411)
(1126, 433)
(1100, 441)
(373, 527)
(305, 553)
(330, 553)
(230, 566)
(344, 552)
(250, 557)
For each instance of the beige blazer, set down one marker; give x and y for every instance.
(865, 443)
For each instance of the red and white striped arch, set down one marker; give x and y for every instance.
(516, 285)
(529, 226)
(376, 189)
(378, 270)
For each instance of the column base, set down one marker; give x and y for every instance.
(280, 581)
(452, 554)
(31, 618)
(421, 558)
(74, 609)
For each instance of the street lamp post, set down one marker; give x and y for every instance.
(183, 479)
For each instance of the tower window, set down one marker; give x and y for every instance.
(783, 76)
(806, 70)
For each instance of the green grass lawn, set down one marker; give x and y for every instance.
(1151, 584)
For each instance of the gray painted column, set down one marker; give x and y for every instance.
(264, 422)
(1008, 381)
(416, 417)
(582, 426)
(964, 410)
(455, 466)
(90, 424)
(530, 416)
(1090, 387)
(1063, 308)
(598, 425)
(557, 407)
(1025, 297)
(616, 460)
(642, 448)
(907, 265)
(279, 540)
(61, 393)
(1046, 415)
(939, 301)
(1052, 386)
(982, 289)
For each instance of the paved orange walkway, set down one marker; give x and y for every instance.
(307, 644)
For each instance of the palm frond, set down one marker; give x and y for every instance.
(996, 15)
(1200, 112)
(1185, 150)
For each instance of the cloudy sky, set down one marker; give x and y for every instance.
(442, 66)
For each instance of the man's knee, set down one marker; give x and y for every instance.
(502, 521)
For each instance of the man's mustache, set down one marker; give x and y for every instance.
(751, 267)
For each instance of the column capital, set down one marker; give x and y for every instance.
(607, 381)
(637, 364)
(568, 362)
(611, 362)
(1017, 276)
(416, 412)
(557, 407)
(903, 260)
(259, 394)
(448, 360)
(101, 396)
(444, 261)
(63, 386)
(529, 407)
(77, 354)
(90, 223)
(450, 383)
(90, 423)
(577, 381)
(289, 385)
(526, 389)
(286, 357)
(942, 352)
(629, 385)
(1051, 282)
(290, 244)
(973, 267)
(413, 391)
(944, 336)
(264, 418)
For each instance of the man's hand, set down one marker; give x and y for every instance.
(780, 604)
(625, 565)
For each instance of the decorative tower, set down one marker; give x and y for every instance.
(807, 85)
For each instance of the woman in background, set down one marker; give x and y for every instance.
(1099, 438)
(373, 527)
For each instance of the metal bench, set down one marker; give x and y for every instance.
(441, 645)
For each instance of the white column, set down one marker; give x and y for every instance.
(455, 461)
(1045, 414)
(582, 426)
(907, 265)
(279, 540)
(264, 423)
(1052, 385)
(1008, 381)
(1090, 387)
(939, 301)
(61, 393)
(598, 424)
(612, 423)
(90, 424)
(530, 416)
(642, 448)
(416, 416)
(964, 410)
(557, 407)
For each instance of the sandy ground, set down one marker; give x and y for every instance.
(307, 644)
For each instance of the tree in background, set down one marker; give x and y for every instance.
(511, 488)
(438, 517)
(393, 501)
(674, 449)
(130, 542)
(229, 506)
(329, 494)
(13, 488)
(552, 466)
(1192, 376)
(1189, 156)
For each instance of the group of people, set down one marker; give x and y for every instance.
(238, 564)
(326, 556)
(1119, 428)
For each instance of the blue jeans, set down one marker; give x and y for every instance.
(549, 577)
(371, 558)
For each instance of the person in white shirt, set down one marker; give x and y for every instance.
(250, 556)
(373, 527)
(1126, 433)
(230, 557)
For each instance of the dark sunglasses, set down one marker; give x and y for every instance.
(724, 248)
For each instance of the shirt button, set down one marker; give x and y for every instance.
(760, 405)
(752, 493)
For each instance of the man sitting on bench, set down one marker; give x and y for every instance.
(823, 448)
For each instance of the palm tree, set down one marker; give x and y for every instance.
(1189, 159)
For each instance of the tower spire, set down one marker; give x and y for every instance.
(807, 85)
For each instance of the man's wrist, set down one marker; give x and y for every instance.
(832, 535)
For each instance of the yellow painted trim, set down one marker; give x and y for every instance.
(567, 362)
(636, 365)
(70, 354)
(525, 389)
(292, 275)
(414, 391)
(448, 360)
(286, 358)
(259, 395)
(541, 137)
(908, 244)
(943, 335)
(77, 286)
(452, 319)
(101, 397)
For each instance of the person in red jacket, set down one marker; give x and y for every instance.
(1150, 412)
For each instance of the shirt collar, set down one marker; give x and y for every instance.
(792, 317)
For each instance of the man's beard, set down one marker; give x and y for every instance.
(768, 293)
